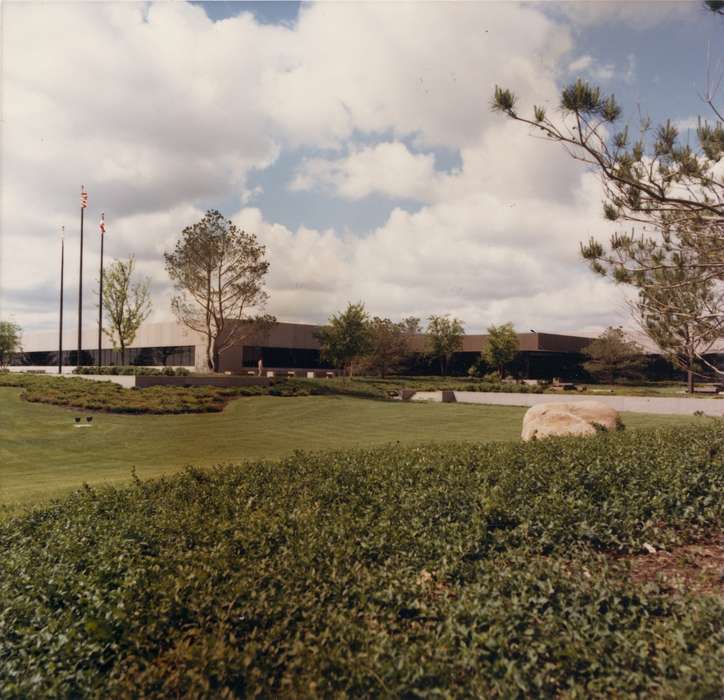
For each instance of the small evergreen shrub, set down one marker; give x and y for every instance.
(430, 571)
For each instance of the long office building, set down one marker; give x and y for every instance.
(295, 346)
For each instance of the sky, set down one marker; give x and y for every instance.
(355, 140)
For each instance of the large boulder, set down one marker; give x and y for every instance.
(568, 418)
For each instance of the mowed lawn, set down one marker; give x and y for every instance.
(42, 454)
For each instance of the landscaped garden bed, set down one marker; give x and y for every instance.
(475, 570)
(85, 394)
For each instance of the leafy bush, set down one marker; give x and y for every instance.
(434, 571)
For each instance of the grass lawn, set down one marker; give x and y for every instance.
(42, 454)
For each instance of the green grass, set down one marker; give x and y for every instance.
(42, 455)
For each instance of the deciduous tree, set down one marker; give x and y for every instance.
(346, 338)
(502, 347)
(445, 337)
(613, 355)
(218, 272)
(9, 341)
(390, 343)
(126, 303)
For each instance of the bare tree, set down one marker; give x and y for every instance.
(218, 272)
(126, 303)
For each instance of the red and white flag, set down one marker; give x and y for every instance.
(83, 198)
(102, 225)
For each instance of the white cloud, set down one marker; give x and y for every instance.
(475, 256)
(586, 64)
(158, 110)
(581, 63)
(387, 168)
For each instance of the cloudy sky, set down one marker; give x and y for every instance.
(355, 140)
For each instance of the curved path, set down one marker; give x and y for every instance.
(634, 404)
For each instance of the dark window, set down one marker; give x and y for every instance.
(169, 355)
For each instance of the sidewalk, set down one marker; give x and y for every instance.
(633, 404)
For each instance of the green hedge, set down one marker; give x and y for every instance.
(468, 571)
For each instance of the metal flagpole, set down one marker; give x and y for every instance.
(83, 205)
(60, 329)
(100, 293)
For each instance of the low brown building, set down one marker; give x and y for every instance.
(289, 346)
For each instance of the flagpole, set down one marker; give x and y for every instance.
(100, 293)
(60, 329)
(80, 276)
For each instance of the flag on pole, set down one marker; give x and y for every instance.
(83, 198)
(102, 225)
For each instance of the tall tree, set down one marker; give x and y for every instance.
(218, 272)
(390, 343)
(613, 355)
(346, 338)
(502, 346)
(9, 341)
(672, 193)
(445, 338)
(679, 316)
(126, 303)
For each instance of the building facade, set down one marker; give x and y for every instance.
(294, 346)
(284, 345)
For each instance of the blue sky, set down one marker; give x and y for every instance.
(354, 139)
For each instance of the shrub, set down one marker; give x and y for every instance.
(432, 571)
(122, 370)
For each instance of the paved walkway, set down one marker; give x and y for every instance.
(635, 404)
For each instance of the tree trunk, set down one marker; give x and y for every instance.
(209, 355)
(215, 356)
(123, 355)
(689, 381)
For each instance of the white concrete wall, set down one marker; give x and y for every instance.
(149, 335)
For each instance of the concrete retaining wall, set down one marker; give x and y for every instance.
(145, 380)
(126, 380)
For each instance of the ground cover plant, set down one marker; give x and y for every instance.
(76, 392)
(79, 393)
(480, 570)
